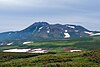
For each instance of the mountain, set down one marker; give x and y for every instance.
(44, 31)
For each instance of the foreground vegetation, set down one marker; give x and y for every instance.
(57, 57)
(75, 59)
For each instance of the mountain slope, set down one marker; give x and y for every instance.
(45, 31)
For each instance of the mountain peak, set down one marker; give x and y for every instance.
(35, 26)
(43, 23)
(44, 30)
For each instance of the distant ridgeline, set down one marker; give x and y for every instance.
(43, 31)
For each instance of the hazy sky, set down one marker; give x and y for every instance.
(18, 14)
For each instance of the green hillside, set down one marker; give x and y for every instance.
(86, 43)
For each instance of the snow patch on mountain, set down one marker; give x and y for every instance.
(90, 33)
(40, 28)
(48, 31)
(66, 30)
(27, 42)
(72, 27)
(10, 43)
(16, 50)
(76, 30)
(95, 34)
(35, 29)
(66, 35)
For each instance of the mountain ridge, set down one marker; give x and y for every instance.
(45, 31)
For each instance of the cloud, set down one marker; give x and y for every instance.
(83, 12)
(36, 3)
(49, 7)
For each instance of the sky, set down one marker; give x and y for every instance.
(16, 15)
